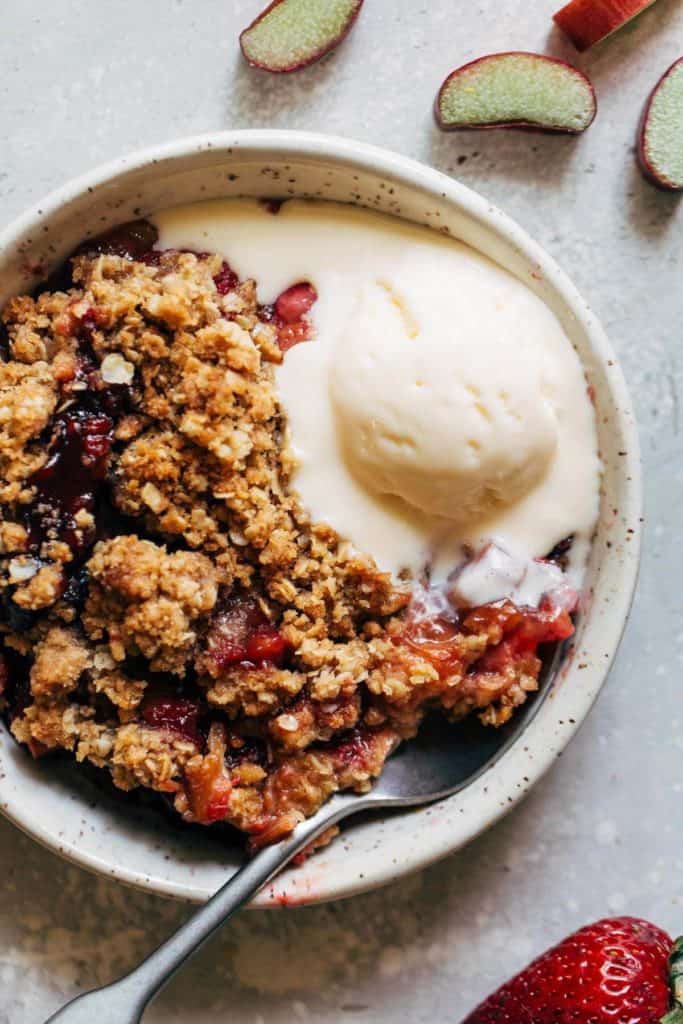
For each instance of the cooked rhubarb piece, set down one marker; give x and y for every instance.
(291, 34)
(660, 138)
(516, 90)
(588, 22)
(208, 784)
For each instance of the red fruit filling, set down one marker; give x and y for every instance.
(226, 280)
(242, 633)
(207, 784)
(84, 326)
(289, 314)
(266, 643)
(218, 804)
(292, 334)
(294, 303)
(438, 640)
(167, 711)
(435, 639)
(134, 240)
(66, 484)
(544, 625)
(353, 752)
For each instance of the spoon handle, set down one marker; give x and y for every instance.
(124, 1001)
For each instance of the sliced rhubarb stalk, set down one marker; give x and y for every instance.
(660, 138)
(587, 22)
(291, 34)
(516, 90)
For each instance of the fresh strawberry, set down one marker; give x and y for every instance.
(616, 970)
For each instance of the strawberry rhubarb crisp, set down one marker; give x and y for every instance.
(169, 611)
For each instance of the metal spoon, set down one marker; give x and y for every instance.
(440, 761)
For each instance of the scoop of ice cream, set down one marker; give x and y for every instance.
(451, 414)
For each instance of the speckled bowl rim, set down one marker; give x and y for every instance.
(503, 783)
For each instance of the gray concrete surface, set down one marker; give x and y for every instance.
(83, 81)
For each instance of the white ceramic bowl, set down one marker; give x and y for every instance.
(73, 818)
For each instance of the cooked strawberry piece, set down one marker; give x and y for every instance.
(353, 752)
(289, 314)
(242, 633)
(177, 714)
(230, 629)
(267, 644)
(294, 303)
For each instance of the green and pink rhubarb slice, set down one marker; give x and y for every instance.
(516, 90)
(588, 22)
(291, 34)
(660, 138)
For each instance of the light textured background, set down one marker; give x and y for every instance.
(85, 81)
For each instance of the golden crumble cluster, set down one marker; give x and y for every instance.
(169, 613)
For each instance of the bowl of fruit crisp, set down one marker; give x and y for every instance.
(306, 450)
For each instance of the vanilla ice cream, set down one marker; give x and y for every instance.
(440, 403)
(450, 413)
